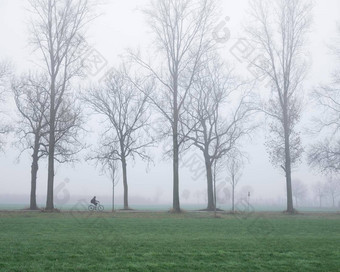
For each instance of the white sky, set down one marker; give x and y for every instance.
(122, 26)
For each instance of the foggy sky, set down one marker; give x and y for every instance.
(122, 26)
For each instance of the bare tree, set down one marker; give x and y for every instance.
(32, 98)
(299, 190)
(278, 31)
(127, 116)
(325, 154)
(319, 192)
(113, 167)
(332, 189)
(57, 32)
(31, 94)
(182, 32)
(234, 169)
(106, 155)
(215, 119)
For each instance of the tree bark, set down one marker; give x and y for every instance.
(125, 184)
(113, 186)
(210, 192)
(113, 197)
(290, 208)
(50, 177)
(51, 148)
(215, 202)
(176, 205)
(233, 196)
(34, 171)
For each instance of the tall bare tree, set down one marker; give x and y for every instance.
(31, 94)
(319, 192)
(125, 110)
(325, 153)
(57, 31)
(278, 30)
(216, 118)
(182, 30)
(32, 98)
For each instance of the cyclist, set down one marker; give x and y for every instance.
(94, 201)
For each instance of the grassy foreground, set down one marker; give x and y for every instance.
(168, 242)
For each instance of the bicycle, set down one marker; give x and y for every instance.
(97, 207)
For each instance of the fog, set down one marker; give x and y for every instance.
(119, 27)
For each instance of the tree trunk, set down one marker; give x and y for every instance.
(288, 171)
(34, 171)
(175, 201)
(290, 207)
(113, 197)
(51, 149)
(50, 177)
(125, 184)
(210, 192)
(233, 196)
(215, 202)
(113, 186)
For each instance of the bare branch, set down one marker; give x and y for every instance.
(125, 110)
(278, 29)
(325, 154)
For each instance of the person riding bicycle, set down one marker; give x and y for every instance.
(94, 201)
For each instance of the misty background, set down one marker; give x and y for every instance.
(122, 26)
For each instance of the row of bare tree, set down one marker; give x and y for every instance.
(200, 102)
(322, 192)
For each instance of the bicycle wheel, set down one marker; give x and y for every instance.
(91, 208)
(100, 208)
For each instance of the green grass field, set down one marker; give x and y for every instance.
(35, 241)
